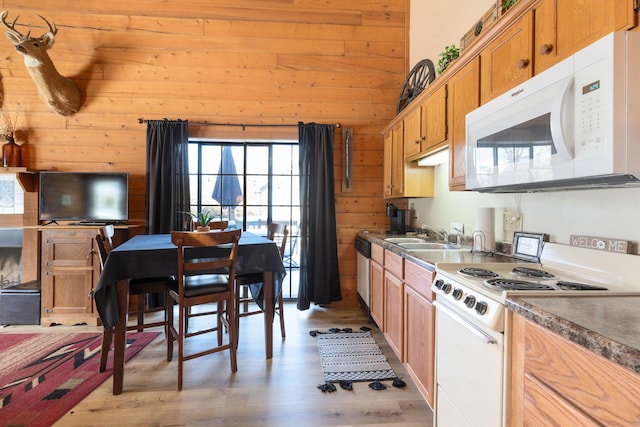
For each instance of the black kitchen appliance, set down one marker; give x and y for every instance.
(397, 219)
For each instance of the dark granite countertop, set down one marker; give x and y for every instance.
(429, 259)
(607, 325)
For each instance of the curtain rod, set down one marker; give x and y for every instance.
(242, 125)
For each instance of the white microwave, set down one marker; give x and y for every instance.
(573, 126)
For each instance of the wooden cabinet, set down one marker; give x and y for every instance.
(464, 96)
(419, 329)
(564, 27)
(376, 281)
(413, 135)
(557, 382)
(425, 128)
(394, 302)
(507, 60)
(70, 270)
(403, 179)
(394, 162)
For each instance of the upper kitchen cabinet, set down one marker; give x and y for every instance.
(564, 27)
(403, 179)
(464, 96)
(508, 59)
(425, 128)
(393, 162)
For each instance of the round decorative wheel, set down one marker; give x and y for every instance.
(418, 78)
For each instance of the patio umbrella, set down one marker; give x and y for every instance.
(227, 190)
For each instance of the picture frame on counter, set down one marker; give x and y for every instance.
(528, 246)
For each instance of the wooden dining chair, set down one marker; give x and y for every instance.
(279, 233)
(213, 225)
(139, 287)
(200, 282)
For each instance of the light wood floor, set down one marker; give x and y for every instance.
(279, 392)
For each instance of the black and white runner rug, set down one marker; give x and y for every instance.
(348, 356)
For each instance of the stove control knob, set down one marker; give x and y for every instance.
(482, 307)
(470, 301)
(446, 288)
(438, 283)
(457, 293)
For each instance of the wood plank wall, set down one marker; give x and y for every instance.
(235, 61)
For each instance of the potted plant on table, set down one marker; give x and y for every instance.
(203, 219)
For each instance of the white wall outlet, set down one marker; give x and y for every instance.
(457, 228)
(512, 221)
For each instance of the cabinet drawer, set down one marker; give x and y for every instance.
(420, 279)
(394, 264)
(377, 254)
(582, 378)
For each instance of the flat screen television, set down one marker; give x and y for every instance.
(85, 197)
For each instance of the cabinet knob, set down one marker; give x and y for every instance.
(523, 63)
(90, 254)
(90, 293)
(546, 48)
(417, 141)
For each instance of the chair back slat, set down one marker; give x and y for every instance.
(190, 239)
(278, 233)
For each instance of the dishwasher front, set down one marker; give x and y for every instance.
(363, 252)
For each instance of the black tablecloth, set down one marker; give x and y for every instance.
(154, 255)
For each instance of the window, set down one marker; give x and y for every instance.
(249, 184)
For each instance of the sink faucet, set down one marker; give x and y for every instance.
(440, 234)
(458, 233)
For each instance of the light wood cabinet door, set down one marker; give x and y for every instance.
(464, 96)
(413, 135)
(434, 120)
(376, 303)
(508, 60)
(397, 161)
(564, 27)
(557, 382)
(393, 168)
(419, 341)
(70, 270)
(393, 313)
(387, 164)
(425, 128)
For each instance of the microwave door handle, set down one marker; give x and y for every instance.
(561, 121)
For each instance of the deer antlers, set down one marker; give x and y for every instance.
(12, 27)
(58, 92)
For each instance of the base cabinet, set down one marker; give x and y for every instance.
(557, 382)
(70, 271)
(376, 283)
(419, 329)
(393, 302)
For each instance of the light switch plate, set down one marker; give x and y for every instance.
(512, 221)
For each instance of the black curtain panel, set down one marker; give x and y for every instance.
(319, 272)
(167, 175)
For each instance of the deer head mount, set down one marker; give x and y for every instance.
(59, 93)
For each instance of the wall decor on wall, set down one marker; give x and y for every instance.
(60, 93)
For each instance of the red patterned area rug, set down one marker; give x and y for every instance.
(43, 376)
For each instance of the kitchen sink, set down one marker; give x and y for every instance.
(399, 240)
(428, 245)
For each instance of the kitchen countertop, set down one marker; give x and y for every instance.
(429, 259)
(606, 325)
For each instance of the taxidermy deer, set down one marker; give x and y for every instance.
(59, 93)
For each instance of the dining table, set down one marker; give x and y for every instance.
(154, 255)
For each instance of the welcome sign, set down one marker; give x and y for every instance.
(601, 243)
